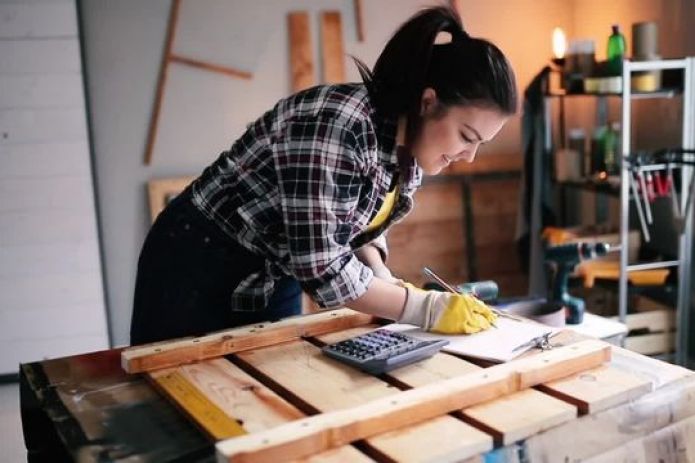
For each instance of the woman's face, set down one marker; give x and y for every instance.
(453, 134)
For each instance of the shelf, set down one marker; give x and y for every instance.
(663, 93)
(592, 185)
(652, 265)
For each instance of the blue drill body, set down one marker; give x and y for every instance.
(566, 257)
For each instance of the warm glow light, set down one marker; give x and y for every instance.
(559, 43)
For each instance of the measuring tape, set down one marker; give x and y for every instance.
(196, 404)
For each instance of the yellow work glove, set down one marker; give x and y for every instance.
(445, 313)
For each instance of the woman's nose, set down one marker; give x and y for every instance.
(468, 154)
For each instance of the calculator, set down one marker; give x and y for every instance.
(382, 350)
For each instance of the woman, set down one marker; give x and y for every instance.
(304, 197)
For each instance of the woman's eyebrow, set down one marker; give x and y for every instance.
(474, 131)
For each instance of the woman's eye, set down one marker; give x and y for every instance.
(465, 138)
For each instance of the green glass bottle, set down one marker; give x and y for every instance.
(616, 51)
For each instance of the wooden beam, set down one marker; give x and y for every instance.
(150, 357)
(163, 70)
(328, 430)
(211, 67)
(241, 398)
(333, 54)
(316, 384)
(598, 389)
(506, 419)
(592, 435)
(359, 23)
(301, 51)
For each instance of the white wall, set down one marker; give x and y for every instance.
(51, 296)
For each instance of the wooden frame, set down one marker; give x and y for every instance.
(161, 191)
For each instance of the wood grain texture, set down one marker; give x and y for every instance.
(328, 385)
(520, 415)
(359, 20)
(301, 51)
(226, 70)
(507, 419)
(249, 402)
(165, 354)
(336, 428)
(332, 51)
(598, 389)
(595, 434)
(161, 81)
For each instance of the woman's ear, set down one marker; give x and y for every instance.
(428, 102)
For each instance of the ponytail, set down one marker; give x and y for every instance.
(464, 71)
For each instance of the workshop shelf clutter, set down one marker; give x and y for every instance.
(650, 222)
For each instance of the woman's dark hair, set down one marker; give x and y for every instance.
(466, 70)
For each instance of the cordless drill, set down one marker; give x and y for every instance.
(565, 257)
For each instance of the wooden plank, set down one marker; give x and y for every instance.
(301, 51)
(332, 51)
(161, 79)
(598, 389)
(495, 197)
(650, 344)
(437, 244)
(657, 372)
(592, 435)
(674, 443)
(520, 415)
(247, 401)
(359, 21)
(226, 70)
(507, 419)
(331, 429)
(173, 353)
(327, 385)
(489, 162)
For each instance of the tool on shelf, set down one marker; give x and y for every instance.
(648, 168)
(486, 288)
(565, 257)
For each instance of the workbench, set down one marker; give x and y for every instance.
(587, 400)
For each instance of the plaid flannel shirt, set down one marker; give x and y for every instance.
(299, 188)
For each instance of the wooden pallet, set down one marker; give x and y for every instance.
(295, 403)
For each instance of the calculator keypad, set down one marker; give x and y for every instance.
(381, 350)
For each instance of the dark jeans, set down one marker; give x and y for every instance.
(187, 272)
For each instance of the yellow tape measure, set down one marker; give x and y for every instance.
(196, 404)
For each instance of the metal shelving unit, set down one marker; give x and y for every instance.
(683, 263)
(685, 245)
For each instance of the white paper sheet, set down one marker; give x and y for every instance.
(494, 344)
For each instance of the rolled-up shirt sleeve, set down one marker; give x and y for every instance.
(380, 244)
(319, 168)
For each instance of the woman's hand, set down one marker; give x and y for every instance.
(444, 312)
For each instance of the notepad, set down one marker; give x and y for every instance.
(496, 345)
